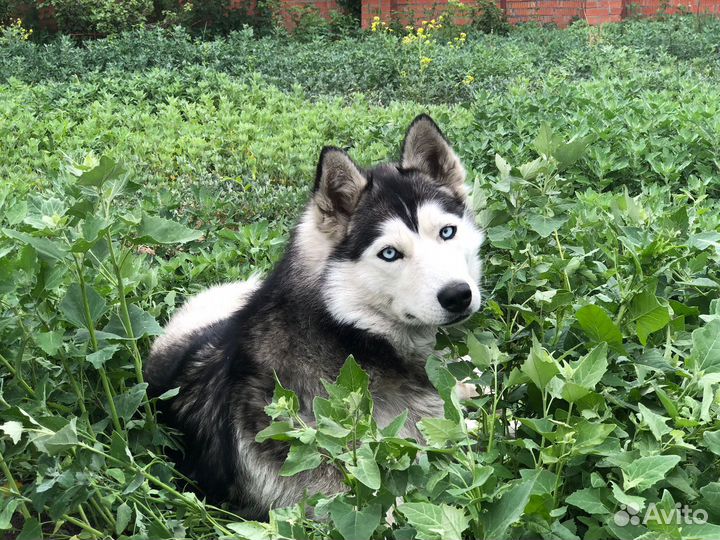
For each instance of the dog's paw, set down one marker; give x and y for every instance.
(466, 390)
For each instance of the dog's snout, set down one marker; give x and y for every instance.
(455, 297)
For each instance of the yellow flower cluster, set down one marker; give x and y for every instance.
(459, 41)
(379, 26)
(16, 28)
(424, 32)
(468, 80)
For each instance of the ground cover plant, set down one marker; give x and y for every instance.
(134, 178)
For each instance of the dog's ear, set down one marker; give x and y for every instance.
(426, 149)
(339, 183)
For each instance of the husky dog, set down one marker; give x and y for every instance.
(379, 260)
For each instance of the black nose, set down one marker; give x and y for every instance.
(455, 297)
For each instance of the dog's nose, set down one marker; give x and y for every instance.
(455, 297)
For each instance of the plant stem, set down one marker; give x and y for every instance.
(126, 322)
(84, 526)
(17, 376)
(93, 342)
(13, 485)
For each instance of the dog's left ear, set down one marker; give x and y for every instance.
(339, 183)
(426, 149)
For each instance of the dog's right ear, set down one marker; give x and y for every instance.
(339, 183)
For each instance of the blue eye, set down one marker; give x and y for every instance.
(390, 254)
(447, 232)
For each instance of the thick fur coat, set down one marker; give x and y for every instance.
(380, 258)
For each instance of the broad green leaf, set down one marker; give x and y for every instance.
(394, 427)
(106, 170)
(157, 230)
(366, 469)
(568, 153)
(445, 383)
(628, 500)
(712, 441)
(50, 342)
(355, 524)
(435, 521)
(705, 354)
(44, 246)
(544, 225)
(123, 515)
(440, 431)
(12, 429)
(645, 472)
(32, 530)
(7, 513)
(352, 377)
(128, 402)
(648, 314)
(500, 515)
(253, 530)
(656, 422)
(598, 326)
(588, 371)
(62, 440)
(277, 431)
(73, 310)
(711, 495)
(142, 323)
(302, 457)
(589, 500)
(540, 366)
(98, 358)
(479, 353)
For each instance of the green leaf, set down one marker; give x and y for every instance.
(302, 457)
(366, 469)
(588, 371)
(705, 354)
(501, 514)
(352, 377)
(43, 246)
(49, 342)
(142, 323)
(12, 429)
(62, 440)
(106, 170)
(649, 315)
(276, 431)
(539, 366)
(32, 530)
(544, 225)
(98, 358)
(394, 427)
(439, 431)
(645, 472)
(253, 530)
(355, 524)
(655, 422)
(124, 513)
(598, 326)
(479, 353)
(128, 402)
(589, 500)
(435, 521)
(7, 513)
(73, 310)
(712, 441)
(711, 495)
(445, 383)
(157, 230)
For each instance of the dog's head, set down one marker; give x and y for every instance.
(395, 244)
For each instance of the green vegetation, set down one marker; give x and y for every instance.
(140, 168)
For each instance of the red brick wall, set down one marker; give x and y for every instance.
(559, 12)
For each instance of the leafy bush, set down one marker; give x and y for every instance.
(594, 175)
(99, 17)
